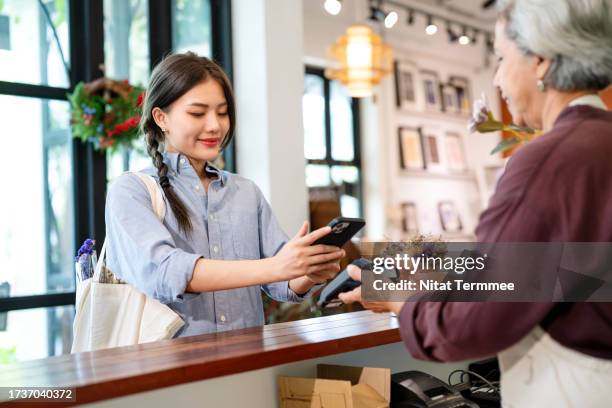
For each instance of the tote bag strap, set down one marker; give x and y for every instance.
(159, 207)
(155, 192)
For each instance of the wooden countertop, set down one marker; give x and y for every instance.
(112, 373)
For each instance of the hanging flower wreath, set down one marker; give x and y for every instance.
(106, 112)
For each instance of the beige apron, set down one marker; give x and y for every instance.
(539, 372)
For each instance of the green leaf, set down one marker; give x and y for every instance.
(490, 126)
(521, 129)
(506, 144)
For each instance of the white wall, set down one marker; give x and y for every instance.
(385, 186)
(268, 77)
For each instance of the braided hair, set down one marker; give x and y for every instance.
(174, 76)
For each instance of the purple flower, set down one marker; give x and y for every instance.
(480, 114)
(86, 248)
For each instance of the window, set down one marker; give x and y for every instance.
(191, 28)
(29, 51)
(126, 53)
(55, 185)
(37, 220)
(331, 139)
(126, 56)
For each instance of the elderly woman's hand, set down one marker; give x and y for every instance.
(355, 296)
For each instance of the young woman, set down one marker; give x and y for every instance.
(219, 244)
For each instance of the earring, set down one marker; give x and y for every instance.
(541, 85)
(164, 130)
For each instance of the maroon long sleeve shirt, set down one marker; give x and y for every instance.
(556, 188)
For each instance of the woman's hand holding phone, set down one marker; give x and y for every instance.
(299, 257)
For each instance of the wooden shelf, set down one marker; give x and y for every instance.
(111, 373)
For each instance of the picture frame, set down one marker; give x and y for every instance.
(432, 151)
(407, 95)
(464, 94)
(411, 148)
(450, 219)
(410, 222)
(455, 152)
(450, 101)
(430, 83)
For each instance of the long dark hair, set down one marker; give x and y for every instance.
(174, 76)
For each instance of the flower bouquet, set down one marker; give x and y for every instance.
(85, 260)
(483, 121)
(106, 112)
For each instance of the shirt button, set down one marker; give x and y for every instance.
(216, 249)
(182, 161)
(211, 216)
(196, 187)
(222, 318)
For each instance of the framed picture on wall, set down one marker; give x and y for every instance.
(407, 96)
(410, 222)
(449, 217)
(410, 148)
(432, 152)
(455, 155)
(450, 103)
(464, 95)
(430, 83)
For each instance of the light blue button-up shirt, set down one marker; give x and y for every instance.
(231, 221)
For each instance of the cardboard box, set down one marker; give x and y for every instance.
(338, 387)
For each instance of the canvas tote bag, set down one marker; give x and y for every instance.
(117, 314)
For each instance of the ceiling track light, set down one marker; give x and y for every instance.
(467, 35)
(431, 28)
(333, 7)
(376, 12)
(489, 43)
(452, 37)
(474, 38)
(410, 17)
(464, 39)
(391, 19)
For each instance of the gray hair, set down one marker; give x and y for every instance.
(575, 34)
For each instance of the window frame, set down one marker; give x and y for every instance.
(328, 160)
(86, 39)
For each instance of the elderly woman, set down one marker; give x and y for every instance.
(554, 56)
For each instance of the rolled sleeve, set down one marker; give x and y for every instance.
(140, 249)
(296, 298)
(175, 273)
(272, 238)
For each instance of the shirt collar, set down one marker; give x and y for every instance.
(592, 100)
(178, 162)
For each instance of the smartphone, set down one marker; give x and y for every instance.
(343, 229)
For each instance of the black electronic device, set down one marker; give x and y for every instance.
(415, 389)
(340, 284)
(343, 229)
